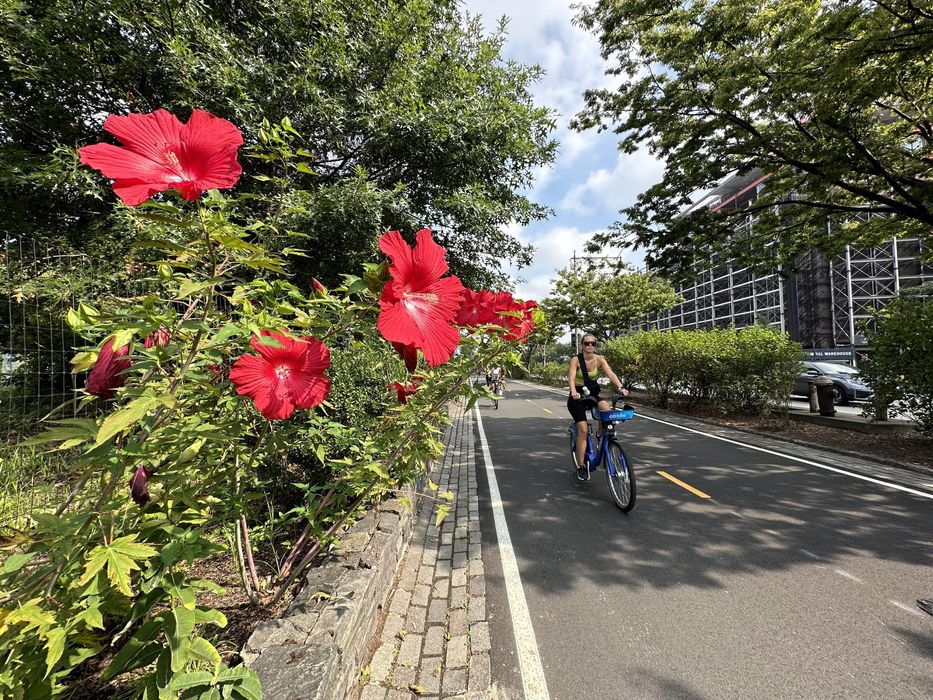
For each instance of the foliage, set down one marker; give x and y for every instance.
(606, 303)
(900, 359)
(407, 114)
(106, 573)
(749, 369)
(832, 101)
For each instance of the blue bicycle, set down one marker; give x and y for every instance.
(619, 473)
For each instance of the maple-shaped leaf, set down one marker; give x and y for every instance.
(120, 558)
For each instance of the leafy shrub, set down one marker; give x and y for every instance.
(750, 369)
(900, 359)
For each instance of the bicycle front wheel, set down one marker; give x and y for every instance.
(622, 484)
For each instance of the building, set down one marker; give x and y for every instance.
(820, 304)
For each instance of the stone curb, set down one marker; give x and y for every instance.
(314, 651)
(907, 466)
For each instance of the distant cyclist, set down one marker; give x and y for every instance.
(582, 373)
(495, 376)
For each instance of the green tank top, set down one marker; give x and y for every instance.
(593, 375)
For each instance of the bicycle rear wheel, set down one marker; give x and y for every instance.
(622, 485)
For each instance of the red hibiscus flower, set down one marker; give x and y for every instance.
(520, 327)
(405, 390)
(478, 308)
(138, 486)
(108, 372)
(409, 353)
(418, 304)
(158, 338)
(281, 379)
(160, 153)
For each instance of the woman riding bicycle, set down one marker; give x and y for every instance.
(578, 380)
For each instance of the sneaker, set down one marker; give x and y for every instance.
(583, 474)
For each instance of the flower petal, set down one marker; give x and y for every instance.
(399, 252)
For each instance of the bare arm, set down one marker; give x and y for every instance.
(572, 377)
(612, 376)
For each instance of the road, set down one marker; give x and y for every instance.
(789, 581)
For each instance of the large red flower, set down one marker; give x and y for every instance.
(281, 379)
(108, 372)
(478, 308)
(405, 390)
(160, 153)
(519, 326)
(418, 303)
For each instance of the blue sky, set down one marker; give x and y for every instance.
(590, 180)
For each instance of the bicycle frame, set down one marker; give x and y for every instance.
(594, 459)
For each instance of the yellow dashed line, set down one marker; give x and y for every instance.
(546, 410)
(680, 483)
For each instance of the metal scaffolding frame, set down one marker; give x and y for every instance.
(822, 305)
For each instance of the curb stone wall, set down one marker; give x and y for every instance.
(314, 651)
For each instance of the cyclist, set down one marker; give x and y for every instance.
(495, 376)
(582, 374)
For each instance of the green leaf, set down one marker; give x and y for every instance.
(179, 631)
(130, 414)
(73, 429)
(16, 562)
(55, 647)
(191, 679)
(442, 510)
(203, 650)
(120, 559)
(139, 651)
(210, 616)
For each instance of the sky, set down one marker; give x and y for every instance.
(589, 181)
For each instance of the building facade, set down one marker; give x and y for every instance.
(820, 304)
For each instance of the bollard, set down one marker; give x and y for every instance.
(811, 394)
(824, 394)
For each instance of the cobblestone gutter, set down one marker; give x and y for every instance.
(314, 651)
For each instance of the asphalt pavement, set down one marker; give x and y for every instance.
(739, 574)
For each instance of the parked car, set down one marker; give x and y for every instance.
(847, 386)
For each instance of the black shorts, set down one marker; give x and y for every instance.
(579, 409)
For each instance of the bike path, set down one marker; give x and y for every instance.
(788, 582)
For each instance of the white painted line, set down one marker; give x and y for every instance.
(846, 574)
(906, 608)
(808, 462)
(811, 555)
(529, 660)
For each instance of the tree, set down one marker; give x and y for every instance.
(832, 101)
(900, 357)
(606, 303)
(405, 115)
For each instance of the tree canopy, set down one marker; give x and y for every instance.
(833, 101)
(406, 113)
(606, 303)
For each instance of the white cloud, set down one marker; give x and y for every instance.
(555, 248)
(610, 191)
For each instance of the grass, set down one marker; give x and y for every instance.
(30, 481)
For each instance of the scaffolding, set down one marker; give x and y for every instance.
(823, 304)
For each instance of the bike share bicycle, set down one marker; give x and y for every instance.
(619, 473)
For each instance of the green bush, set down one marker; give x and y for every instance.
(554, 373)
(750, 369)
(900, 360)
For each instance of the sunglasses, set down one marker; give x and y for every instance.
(589, 342)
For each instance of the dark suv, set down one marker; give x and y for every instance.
(846, 383)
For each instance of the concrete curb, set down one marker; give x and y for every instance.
(314, 651)
(907, 466)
